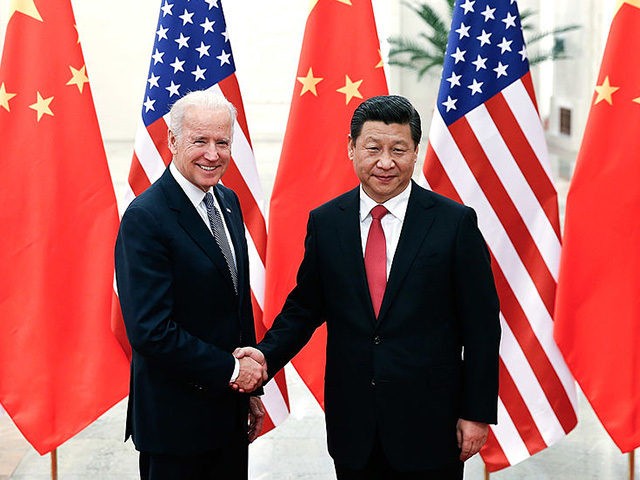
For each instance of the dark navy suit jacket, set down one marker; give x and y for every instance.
(403, 377)
(183, 320)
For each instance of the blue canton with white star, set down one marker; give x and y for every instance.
(191, 52)
(485, 54)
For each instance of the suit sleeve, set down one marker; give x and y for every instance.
(478, 312)
(302, 310)
(144, 278)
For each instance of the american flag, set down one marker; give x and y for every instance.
(487, 150)
(191, 51)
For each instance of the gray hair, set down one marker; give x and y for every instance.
(209, 99)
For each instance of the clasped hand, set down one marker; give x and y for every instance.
(253, 369)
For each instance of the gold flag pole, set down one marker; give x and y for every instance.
(486, 473)
(54, 464)
(632, 464)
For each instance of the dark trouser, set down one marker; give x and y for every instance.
(378, 468)
(229, 463)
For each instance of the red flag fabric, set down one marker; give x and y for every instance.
(487, 150)
(340, 64)
(60, 365)
(198, 41)
(598, 305)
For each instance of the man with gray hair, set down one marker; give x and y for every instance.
(182, 270)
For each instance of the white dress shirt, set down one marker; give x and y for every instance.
(391, 222)
(196, 196)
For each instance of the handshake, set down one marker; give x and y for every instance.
(253, 369)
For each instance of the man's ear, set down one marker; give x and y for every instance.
(351, 147)
(171, 141)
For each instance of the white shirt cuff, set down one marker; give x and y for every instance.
(236, 370)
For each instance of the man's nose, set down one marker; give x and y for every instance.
(384, 161)
(211, 153)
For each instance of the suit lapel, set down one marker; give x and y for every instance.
(192, 223)
(417, 223)
(351, 257)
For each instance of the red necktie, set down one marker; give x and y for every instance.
(375, 258)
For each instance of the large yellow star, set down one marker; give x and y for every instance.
(28, 7)
(350, 89)
(309, 83)
(42, 106)
(634, 3)
(605, 91)
(5, 97)
(636, 100)
(78, 77)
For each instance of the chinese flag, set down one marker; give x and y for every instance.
(340, 65)
(597, 324)
(60, 365)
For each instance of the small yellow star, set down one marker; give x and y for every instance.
(28, 7)
(79, 77)
(346, 2)
(350, 89)
(636, 100)
(309, 83)
(42, 106)
(5, 97)
(605, 91)
(381, 62)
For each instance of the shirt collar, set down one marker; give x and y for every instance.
(195, 194)
(397, 205)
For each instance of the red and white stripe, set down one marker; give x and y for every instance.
(151, 157)
(495, 160)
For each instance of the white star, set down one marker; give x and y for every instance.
(177, 65)
(501, 70)
(484, 38)
(186, 17)
(212, 3)
(166, 8)
(182, 41)
(207, 26)
(162, 33)
(224, 58)
(153, 81)
(468, 6)
(463, 31)
(226, 36)
(459, 55)
(157, 57)
(488, 14)
(173, 89)
(505, 45)
(450, 103)
(523, 53)
(509, 21)
(199, 73)
(203, 49)
(475, 87)
(480, 63)
(454, 79)
(149, 105)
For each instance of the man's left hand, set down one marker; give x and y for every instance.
(471, 437)
(256, 417)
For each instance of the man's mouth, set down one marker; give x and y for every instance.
(207, 169)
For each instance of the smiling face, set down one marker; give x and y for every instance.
(202, 151)
(383, 157)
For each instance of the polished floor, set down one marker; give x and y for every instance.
(297, 450)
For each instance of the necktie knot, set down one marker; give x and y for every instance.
(208, 200)
(378, 212)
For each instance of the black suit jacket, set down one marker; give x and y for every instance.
(183, 320)
(401, 377)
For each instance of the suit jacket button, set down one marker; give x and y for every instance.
(377, 340)
(373, 382)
